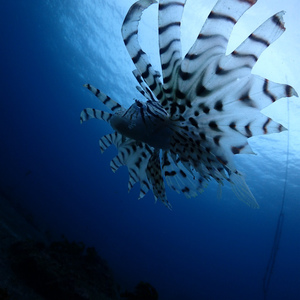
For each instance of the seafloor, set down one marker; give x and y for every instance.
(32, 267)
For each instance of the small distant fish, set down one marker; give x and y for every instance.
(190, 125)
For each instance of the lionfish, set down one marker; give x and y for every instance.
(193, 121)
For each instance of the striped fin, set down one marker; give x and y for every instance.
(143, 92)
(112, 138)
(143, 88)
(218, 164)
(136, 165)
(200, 63)
(239, 110)
(225, 123)
(116, 163)
(107, 101)
(169, 20)
(247, 54)
(144, 187)
(155, 177)
(203, 153)
(135, 155)
(218, 26)
(92, 113)
(230, 76)
(138, 56)
(181, 179)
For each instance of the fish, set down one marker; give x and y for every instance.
(200, 111)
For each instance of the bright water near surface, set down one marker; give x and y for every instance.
(205, 248)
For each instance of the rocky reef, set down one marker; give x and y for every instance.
(143, 291)
(62, 270)
(33, 268)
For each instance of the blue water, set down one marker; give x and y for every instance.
(205, 248)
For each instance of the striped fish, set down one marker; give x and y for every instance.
(200, 111)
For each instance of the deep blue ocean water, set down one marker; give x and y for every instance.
(205, 248)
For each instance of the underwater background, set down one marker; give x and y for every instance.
(206, 247)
